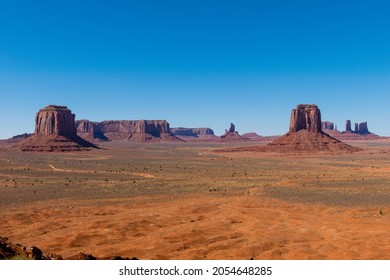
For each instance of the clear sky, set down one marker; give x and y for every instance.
(196, 63)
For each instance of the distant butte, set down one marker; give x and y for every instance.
(361, 131)
(55, 131)
(305, 136)
(194, 134)
(231, 135)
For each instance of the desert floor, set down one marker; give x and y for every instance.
(184, 201)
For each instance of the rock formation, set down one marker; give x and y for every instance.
(19, 138)
(253, 136)
(232, 129)
(362, 128)
(327, 126)
(55, 131)
(55, 120)
(307, 117)
(348, 126)
(356, 128)
(305, 136)
(11, 251)
(360, 132)
(189, 134)
(133, 131)
(90, 131)
(232, 135)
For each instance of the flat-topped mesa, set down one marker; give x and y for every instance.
(362, 128)
(126, 130)
(55, 131)
(307, 117)
(328, 126)
(85, 127)
(57, 120)
(89, 131)
(193, 132)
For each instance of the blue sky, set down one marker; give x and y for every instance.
(196, 63)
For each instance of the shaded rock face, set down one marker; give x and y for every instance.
(232, 135)
(232, 128)
(57, 120)
(133, 131)
(362, 128)
(327, 126)
(55, 131)
(231, 132)
(90, 131)
(85, 127)
(361, 131)
(306, 117)
(306, 135)
(192, 132)
(348, 126)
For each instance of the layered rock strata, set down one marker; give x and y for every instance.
(327, 126)
(304, 136)
(55, 131)
(134, 131)
(307, 117)
(194, 134)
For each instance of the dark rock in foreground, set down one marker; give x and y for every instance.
(12, 251)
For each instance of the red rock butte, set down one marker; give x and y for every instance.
(305, 136)
(55, 131)
(306, 117)
(231, 135)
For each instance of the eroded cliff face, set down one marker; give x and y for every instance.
(55, 120)
(192, 132)
(134, 131)
(306, 135)
(55, 131)
(362, 128)
(328, 126)
(307, 117)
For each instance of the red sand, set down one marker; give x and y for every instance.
(205, 227)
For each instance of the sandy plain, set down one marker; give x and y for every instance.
(184, 201)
